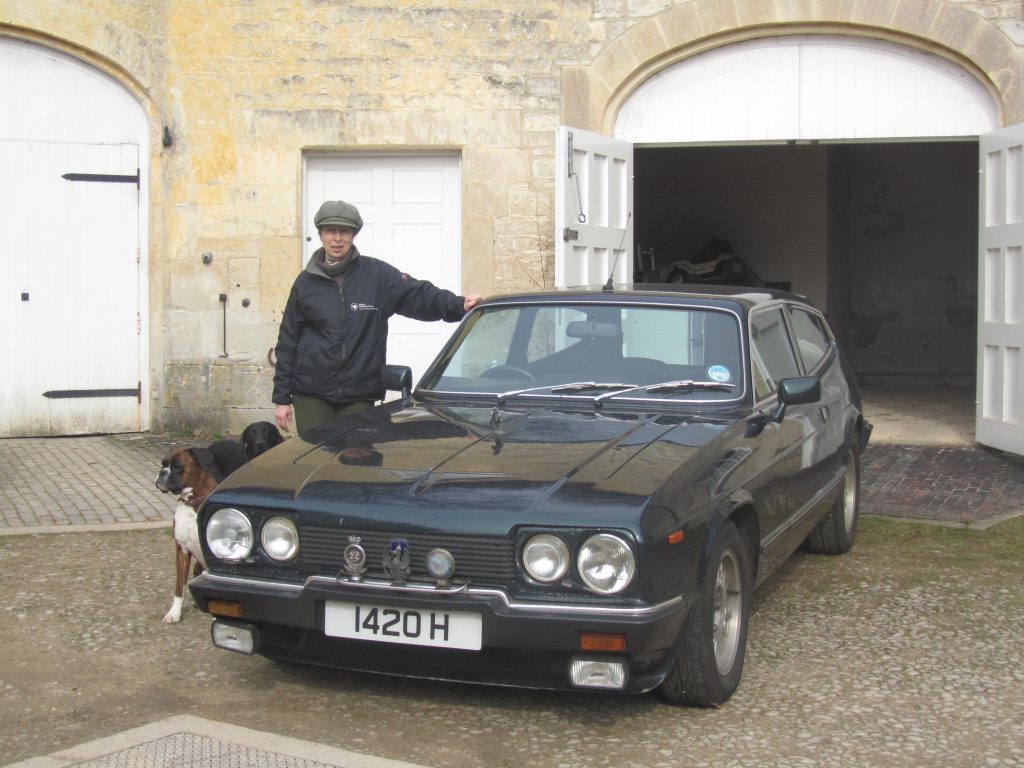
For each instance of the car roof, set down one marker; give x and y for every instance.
(732, 296)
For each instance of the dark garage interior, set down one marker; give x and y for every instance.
(882, 236)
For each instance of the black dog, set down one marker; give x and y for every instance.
(259, 437)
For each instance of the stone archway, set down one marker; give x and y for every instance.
(594, 94)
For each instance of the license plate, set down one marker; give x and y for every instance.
(407, 626)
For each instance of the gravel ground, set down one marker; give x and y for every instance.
(905, 652)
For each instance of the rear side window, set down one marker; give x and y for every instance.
(771, 353)
(813, 340)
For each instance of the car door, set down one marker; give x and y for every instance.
(819, 356)
(773, 358)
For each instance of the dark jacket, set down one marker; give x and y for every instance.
(333, 340)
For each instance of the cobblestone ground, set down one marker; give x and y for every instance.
(905, 653)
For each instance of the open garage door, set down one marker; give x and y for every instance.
(1000, 406)
(594, 212)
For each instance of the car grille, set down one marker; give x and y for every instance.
(480, 558)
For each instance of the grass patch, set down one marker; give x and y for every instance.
(1003, 542)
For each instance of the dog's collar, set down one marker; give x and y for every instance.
(189, 497)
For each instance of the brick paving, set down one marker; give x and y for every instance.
(57, 483)
(950, 484)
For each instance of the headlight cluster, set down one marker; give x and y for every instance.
(604, 562)
(230, 536)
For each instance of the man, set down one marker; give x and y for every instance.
(333, 335)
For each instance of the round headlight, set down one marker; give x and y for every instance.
(546, 558)
(229, 534)
(280, 538)
(606, 563)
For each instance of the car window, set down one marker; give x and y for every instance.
(771, 353)
(507, 348)
(813, 340)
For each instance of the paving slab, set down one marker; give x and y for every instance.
(193, 742)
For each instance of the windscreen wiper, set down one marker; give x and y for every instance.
(591, 386)
(687, 384)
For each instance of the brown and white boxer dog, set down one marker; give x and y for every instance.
(190, 473)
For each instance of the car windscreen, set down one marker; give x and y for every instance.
(608, 351)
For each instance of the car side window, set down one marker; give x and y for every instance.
(771, 354)
(813, 339)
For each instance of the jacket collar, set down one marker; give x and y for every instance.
(313, 265)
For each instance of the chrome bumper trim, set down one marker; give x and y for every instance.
(379, 587)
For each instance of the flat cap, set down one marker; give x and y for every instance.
(338, 213)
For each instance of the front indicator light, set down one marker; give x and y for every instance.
(587, 672)
(604, 643)
(240, 638)
(228, 608)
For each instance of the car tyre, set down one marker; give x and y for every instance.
(836, 532)
(714, 640)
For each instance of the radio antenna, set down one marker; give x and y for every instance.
(618, 252)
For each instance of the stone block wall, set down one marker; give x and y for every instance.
(245, 88)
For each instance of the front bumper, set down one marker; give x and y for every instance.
(527, 644)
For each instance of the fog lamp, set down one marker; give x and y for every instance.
(441, 565)
(591, 672)
(234, 637)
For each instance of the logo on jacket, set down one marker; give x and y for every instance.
(361, 307)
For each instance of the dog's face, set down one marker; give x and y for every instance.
(184, 468)
(259, 437)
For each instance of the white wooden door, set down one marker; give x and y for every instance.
(412, 212)
(70, 282)
(593, 209)
(1000, 402)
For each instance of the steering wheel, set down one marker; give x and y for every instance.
(507, 372)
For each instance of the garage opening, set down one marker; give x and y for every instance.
(881, 236)
(842, 168)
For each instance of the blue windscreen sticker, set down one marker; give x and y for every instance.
(719, 373)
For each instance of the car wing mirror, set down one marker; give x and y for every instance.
(798, 390)
(398, 378)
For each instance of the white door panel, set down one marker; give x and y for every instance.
(593, 211)
(71, 300)
(411, 207)
(1000, 406)
(73, 251)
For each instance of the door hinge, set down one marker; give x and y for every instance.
(113, 178)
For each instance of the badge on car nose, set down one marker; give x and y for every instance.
(354, 559)
(396, 561)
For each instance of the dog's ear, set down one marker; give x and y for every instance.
(204, 458)
(276, 438)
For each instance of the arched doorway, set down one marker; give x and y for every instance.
(73, 288)
(840, 167)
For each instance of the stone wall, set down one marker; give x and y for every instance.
(244, 88)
